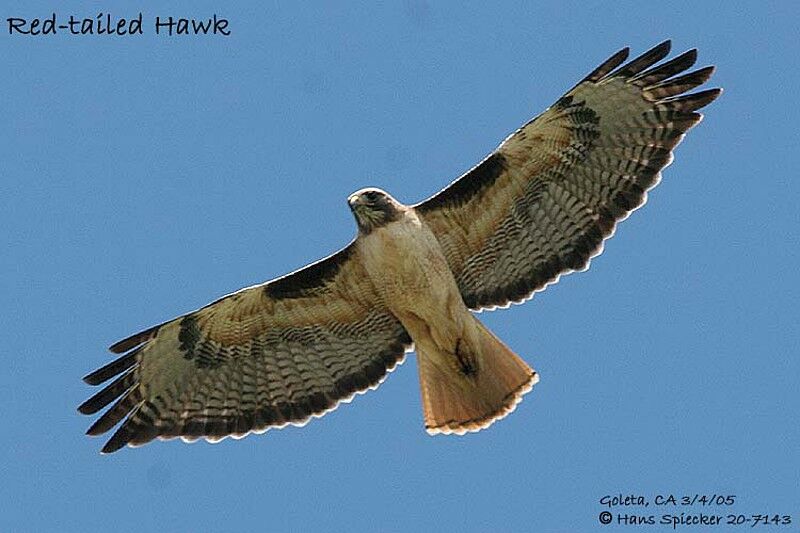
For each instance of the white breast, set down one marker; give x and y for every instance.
(406, 263)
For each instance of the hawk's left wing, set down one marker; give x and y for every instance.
(544, 201)
(270, 355)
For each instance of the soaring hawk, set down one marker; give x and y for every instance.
(536, 208)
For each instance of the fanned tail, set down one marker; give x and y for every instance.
(468, 389)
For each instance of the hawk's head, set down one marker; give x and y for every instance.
(373, 208)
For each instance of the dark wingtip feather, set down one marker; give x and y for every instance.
(113, 368)
(702, 75)
(675, 86)
(93, 378)
(139, 428)
(116, 413)
(644, 61)
(99, 427)
(608, 65)
(114, 444)
(134, 340)
(694, 101)
(663, 71)
(116, 389)
(123, 435)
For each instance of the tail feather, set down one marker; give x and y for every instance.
(468, 389)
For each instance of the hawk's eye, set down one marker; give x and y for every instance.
(371, 196)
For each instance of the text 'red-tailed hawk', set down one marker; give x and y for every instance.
(295, 347)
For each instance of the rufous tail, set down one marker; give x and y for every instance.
(471, 386)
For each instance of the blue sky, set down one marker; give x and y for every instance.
(143, 177)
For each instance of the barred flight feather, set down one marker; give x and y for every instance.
(591, 158)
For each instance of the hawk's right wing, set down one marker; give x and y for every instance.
(269, 355)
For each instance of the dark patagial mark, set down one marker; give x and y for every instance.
(470, 184)
(309, 279)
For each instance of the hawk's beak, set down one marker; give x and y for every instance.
(354, 201)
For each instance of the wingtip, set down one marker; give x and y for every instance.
(714, 93)
(704, 74)
(110, 448)
(662, 49)
(699, 100)
(120, 346)
(643, 61)
(86, 409)
(135, 340)
(608, 65)
(115, 443)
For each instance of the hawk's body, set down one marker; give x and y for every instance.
(404, 261)
(538, 207)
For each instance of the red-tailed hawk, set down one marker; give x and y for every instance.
(295, 347)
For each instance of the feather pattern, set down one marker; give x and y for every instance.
(543, 203)
(539, 206)
(270, 355)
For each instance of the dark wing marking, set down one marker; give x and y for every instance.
(306, 280)
(270, 355)
(543, 203)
